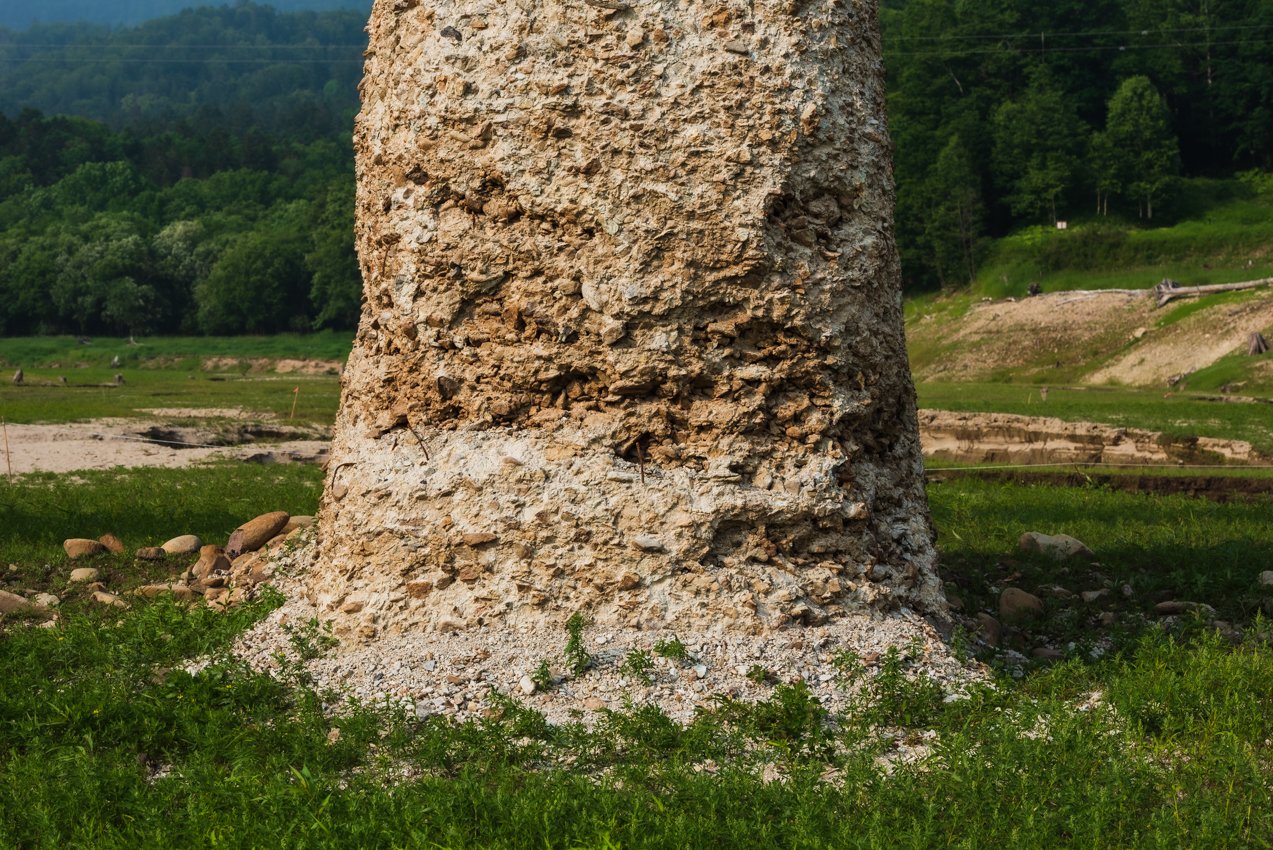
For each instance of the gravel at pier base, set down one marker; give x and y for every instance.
(451, 673)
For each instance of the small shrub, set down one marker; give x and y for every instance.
(757, 674)
(673, 649)
(543, 676)
(893, 699)
(847, 662)
(309, 640)
(576, 654)
(638, 665)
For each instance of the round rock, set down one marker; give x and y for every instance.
(11, 603)
(298, 522)
(989, 629)
(111, 542)
(1060, 547)
(151, 553)
(258, 531)
(84, 574)
(183, 545)
(1015, 603)
(78, 547)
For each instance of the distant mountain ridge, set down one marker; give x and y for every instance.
(20, 14)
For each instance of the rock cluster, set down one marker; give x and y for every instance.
(219, 580)
(632, 339)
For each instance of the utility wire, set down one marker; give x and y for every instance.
(1037, 33)
(1019, 50)
(1088, 464)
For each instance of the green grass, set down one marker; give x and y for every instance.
(143, 507)
(1221, 233)
(42, 399)
(1178, 414)
(1174, 754)
(67, 352)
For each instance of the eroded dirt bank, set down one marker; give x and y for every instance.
(1009, 438)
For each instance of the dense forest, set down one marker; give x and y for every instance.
(1008, 113)
(205, 182)
(209, 195)
(20, 14)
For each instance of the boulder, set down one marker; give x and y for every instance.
(112, 543)
(11, 603)
(629, 580)
(527, 685)
(109, 599)
(184, 545)
(78, 547)
(1090, 596)
(215, 564)
(84, 574)
(1266, 578)
(1059, 547)
(1047, 652)
(1015, 604)
(989, 629)
(47, 599)
(151, 553)
(179, 591)
(256, 532)
(298, 522)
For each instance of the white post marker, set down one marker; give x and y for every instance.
(296, 394)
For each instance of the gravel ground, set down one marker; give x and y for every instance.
(451, 674)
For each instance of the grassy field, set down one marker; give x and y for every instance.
(105, 743)
(1221, 235)
(171, 352)
(91, 394)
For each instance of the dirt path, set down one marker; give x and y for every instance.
(104, 444)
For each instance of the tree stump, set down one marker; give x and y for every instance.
(632, 339)
(1256, 344)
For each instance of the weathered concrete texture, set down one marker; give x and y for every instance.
(630, 279)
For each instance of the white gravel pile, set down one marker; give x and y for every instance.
(452, 674)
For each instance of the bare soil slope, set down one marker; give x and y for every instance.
(1106, 338)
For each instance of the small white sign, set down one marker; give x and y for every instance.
(1060, 225)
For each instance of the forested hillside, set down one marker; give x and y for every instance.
(19, 14)
(217, 198)
(1014, 112)
(205, 183)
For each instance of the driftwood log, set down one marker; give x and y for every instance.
(1170, 289)
(1257, 344)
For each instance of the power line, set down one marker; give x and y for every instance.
(1106, 48)
(179, 46)
(59, 60)
(1037, 33)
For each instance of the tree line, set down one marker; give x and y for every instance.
(193, 174)
(181, 232)
(1009, 113)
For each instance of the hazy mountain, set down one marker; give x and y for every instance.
(19, 14)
